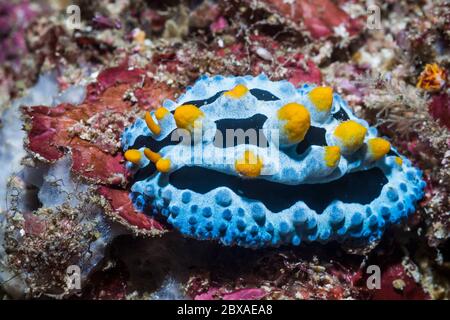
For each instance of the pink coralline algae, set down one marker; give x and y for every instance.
(219, 25)
(90, 133)
(49, 137)
(53, 130)
(270, 58)
(320, 18)
(298, 69)
(440, 108)
(14, 18)
(102, 22)
(120, 207)
(397, 284)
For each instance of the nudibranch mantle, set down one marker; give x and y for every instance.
(315, 173)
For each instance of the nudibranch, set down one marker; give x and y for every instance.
(256, 163)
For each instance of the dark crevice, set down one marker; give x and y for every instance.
(358, 187)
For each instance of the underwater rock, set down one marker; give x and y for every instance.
(11, 133)
(89, 129)
(52, 223)
(440, 108)
(277, 274)
(397, 284)
(298, 166)
(15, 17)
(321, 19)
(297, 68)
(102, 22)
(242, 294)
(118, 205)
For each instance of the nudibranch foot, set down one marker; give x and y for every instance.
(256, 163)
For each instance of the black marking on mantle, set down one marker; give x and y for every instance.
(358, 187)
(263, 95)
(255, 122)
(155, 145)
(204, 102)
(314, 137)
(341, 115)
(257, 93)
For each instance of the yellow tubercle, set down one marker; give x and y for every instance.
(250, 165)
(152, 156)
(186, 116)
(133, 156)
(351, 134)
(399, 161)
(237, 92)
(297, 120)
(332, 156)
(151, 124)
(378, 148)
(163, 165)
(322, 98)
(160, 113)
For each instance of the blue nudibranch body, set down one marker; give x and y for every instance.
(312, 172)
